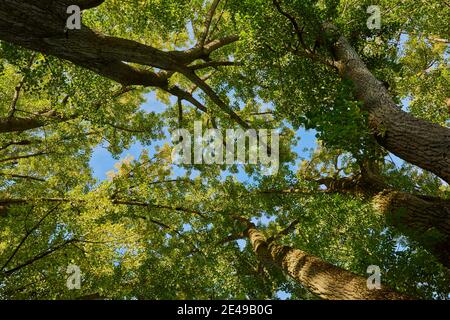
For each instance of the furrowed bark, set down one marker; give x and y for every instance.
(41, 26)
(423, 219)
(424, 144)
(46, 31)
(319, 277)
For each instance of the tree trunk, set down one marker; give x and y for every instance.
(19, 124)
(424, 144)
(319, 277)
(423, 219)
(41, 26)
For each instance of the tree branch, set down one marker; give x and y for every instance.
(28, 233)
(18, 176)
(19, 88)
(23, 157)
(87, 4)
(209, 18)
(155, 206)
(213, 64)
(39, 256)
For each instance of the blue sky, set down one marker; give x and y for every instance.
(102, 161)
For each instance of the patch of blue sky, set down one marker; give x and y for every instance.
(401, 45)
(103, 162)
(152, 104)
(120, 252)
(307, 142)
(395, 160)
(264, 220)
(241, 244)
(283, 295)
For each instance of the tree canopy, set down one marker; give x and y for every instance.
(373, 192)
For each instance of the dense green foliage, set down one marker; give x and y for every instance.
(148, 232)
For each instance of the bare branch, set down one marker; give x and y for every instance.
(293, 21)
(209, 18)
(23, 157)
(215, 98)
(156, 206)
(285, 231)
(19, 124)
(231, 238)
(19, 88)
(28, 233)
(216, 26)
(441, 40)
(213, 64)
(39, 256)
(180, 113)
(18, 143)
(18, 176)
(183, 95)
(195, 53)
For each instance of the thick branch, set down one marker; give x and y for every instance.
(319, 277)
(19, 124)
(417, 141)
(87, 4)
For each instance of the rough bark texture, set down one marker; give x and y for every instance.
(423, 219)
(416, 141)
(41, 26)
(319, 277)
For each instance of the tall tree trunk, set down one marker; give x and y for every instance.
(423, 219)
(319, 277)
(424, 144)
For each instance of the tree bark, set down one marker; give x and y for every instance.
(41, 26)
(19, 124)
(423, 219)
(319, 277)
(424, 144)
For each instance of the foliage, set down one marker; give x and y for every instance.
(149, 232)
